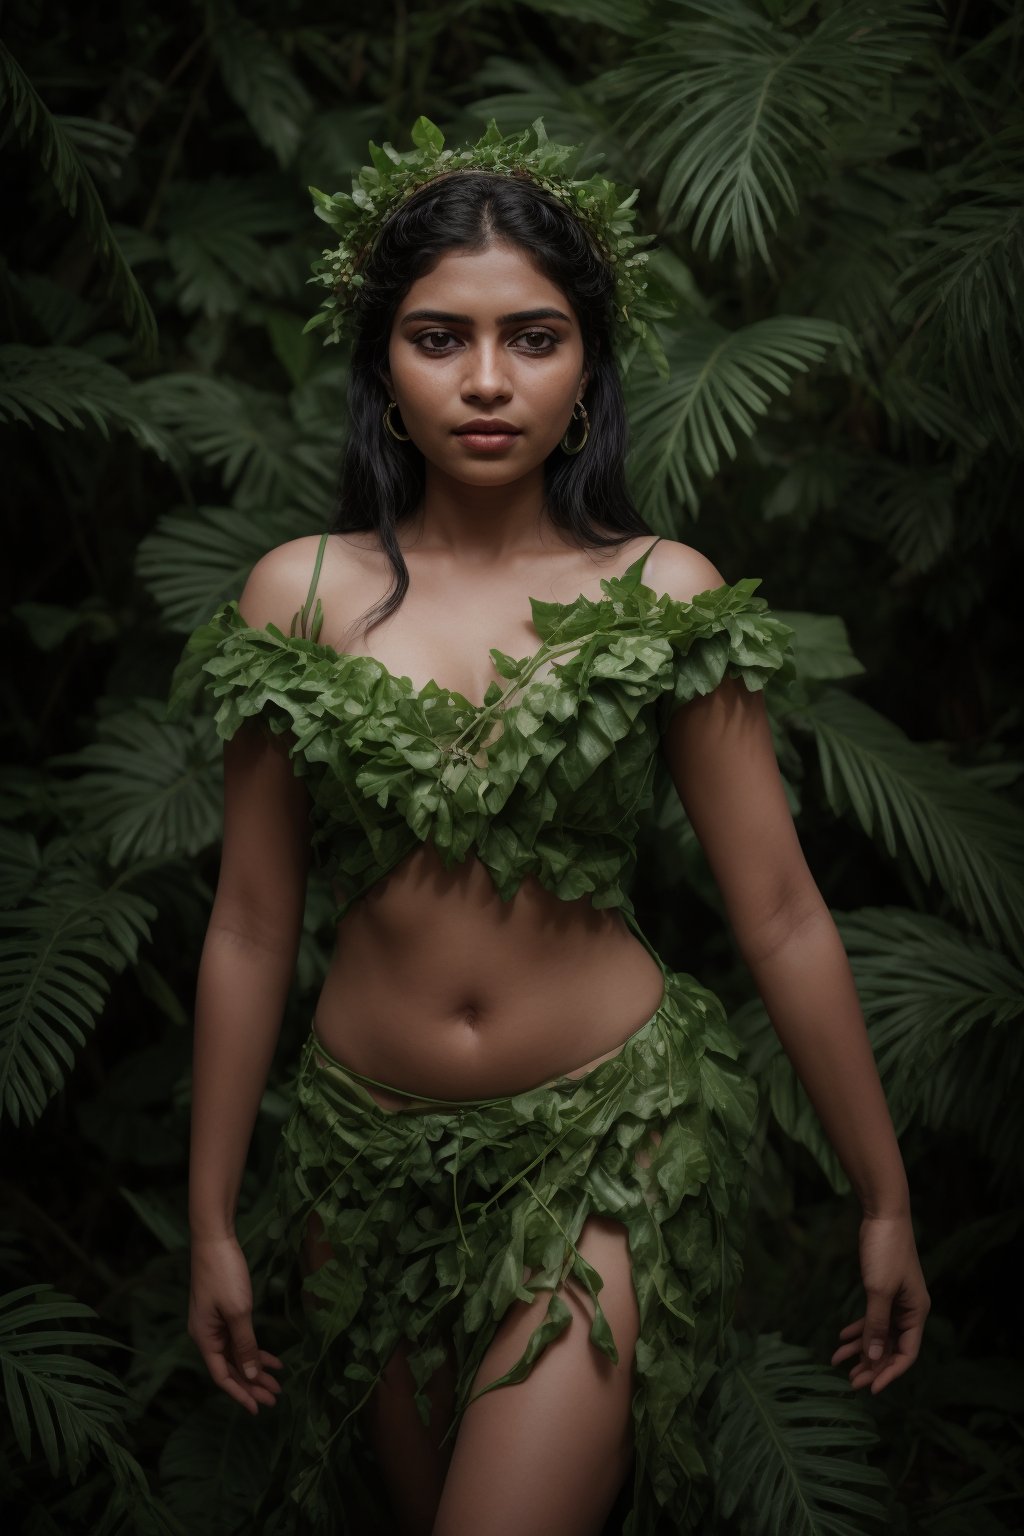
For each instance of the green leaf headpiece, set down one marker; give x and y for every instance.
(381, 187)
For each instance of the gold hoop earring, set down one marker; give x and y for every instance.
(586, 429)
(400, 437)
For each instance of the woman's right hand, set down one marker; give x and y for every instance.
(220, 1323)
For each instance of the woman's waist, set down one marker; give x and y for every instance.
(473, 1019)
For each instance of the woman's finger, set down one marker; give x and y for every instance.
(223, 1377)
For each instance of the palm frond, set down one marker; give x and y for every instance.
(821, 644)
(211, 1464)
(20, 865)
(913, 801)
(962, 282)
(56, 957)
(928, 406)
(243, 432)
(730, 108)
(716, 387)
(260, 80)
(68, 384)
(145, 789)
(102, 147)
(192, 562)
(788, 1442)
(938, 1006)
(910, 513)
(630, 18)
(218, 243)
(521, 91)
(924, 987)
(64, 1402)
(30, 119)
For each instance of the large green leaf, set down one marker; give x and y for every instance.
(915, 802)
(192, 562)
(789, 1440)
(56, 956)
(262, 455)
(260, 79)
(732, 111)
(30, 119)
(147, 789)
(220, 248)
(69, 384)
(719, 386)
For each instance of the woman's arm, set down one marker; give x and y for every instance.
(722, 760)
(245, 970)
(246, 967)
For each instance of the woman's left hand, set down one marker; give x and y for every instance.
(888, 1337)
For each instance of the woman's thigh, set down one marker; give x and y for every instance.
(548, 1454)
(409, 1452)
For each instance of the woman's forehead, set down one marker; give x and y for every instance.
(485, 285)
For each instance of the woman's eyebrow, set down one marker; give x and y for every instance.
(521, 315)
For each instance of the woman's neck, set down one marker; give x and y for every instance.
(485, 523)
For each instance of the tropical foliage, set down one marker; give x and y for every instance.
(837, 191)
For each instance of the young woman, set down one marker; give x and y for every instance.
(513, 1174)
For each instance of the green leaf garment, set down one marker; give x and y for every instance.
(441, 1215)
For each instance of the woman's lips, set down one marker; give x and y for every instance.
(488, 441)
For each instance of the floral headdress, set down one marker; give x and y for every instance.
(381, 187)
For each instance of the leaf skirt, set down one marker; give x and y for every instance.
(442, 1214)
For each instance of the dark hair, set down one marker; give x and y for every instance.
(382, 480)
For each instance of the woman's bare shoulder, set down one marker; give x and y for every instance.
(680, 570)
(277, 585)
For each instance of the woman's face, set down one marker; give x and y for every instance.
(486, 337)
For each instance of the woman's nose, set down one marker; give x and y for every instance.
(486, 375)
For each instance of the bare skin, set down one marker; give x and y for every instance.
(438, 987)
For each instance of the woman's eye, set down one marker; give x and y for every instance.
(430, 335)
(534, 336)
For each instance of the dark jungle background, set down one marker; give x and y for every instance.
(838, 193)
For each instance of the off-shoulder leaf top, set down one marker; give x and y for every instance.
(547, 777)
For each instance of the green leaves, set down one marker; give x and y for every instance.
(145, 788)
(917, 804)
(730, 113)
(789, 1441)
(68, 384)
(31, 121)
(192, 562)
(261, 81)
(57, 951)
(718, 389)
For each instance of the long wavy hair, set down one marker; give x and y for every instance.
(381, 481)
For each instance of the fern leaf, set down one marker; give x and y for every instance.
(729, 108)
(788, 1442)
(30, 119)
(65, 1402)
(190, 564)
(244, 433)
(718, 385)
(258, 77)
(146, 789)
(61, 385)
(963, 279)
(212, 1463)
(218, 244)
(56, 955)
(912, 801)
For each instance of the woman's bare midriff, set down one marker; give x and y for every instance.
(440, 988)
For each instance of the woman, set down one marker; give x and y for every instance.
(513, 1174)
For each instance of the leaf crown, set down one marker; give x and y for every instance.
(381, 187)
